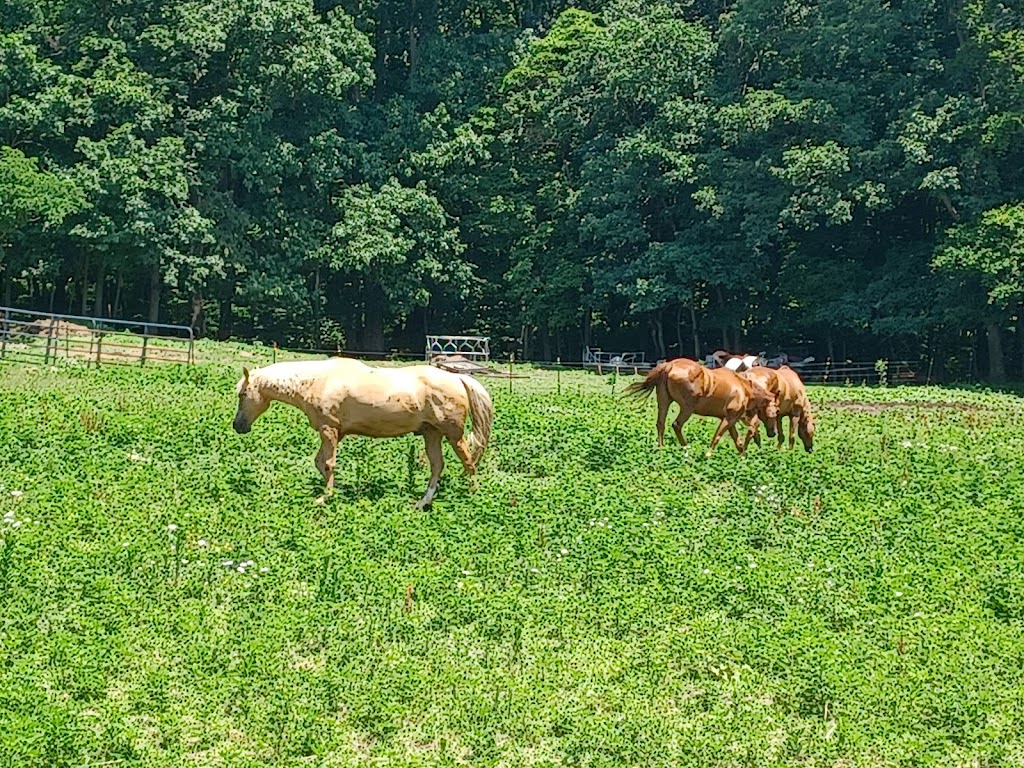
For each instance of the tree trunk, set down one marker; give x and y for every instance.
(317, 330)
(225, 323)
(198, 323)
(658, 334)
(373, 314)
(996, 363)
(587, 327)
(101, 278)
(1020, 346)
(154, 294)
(414, 51)
(84, 286)
(116, 306)
(696, 333)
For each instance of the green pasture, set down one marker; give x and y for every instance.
(171, 595)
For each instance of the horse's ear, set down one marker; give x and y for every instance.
(245, 373)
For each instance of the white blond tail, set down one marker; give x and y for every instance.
(481, 409)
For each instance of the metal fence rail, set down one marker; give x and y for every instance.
(28, 336)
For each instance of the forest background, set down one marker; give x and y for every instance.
(842, 177)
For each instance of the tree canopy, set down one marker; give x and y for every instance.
(841, 177)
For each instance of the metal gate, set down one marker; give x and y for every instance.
(43, 337)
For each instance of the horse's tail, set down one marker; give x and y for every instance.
(481, 409)
(656, 377)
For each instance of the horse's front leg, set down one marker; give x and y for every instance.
(326, 458)
(432, 437)
(723, 427)
(753, 433)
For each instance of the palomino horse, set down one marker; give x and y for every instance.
(342, 397)
(707, 392)
(787, 387)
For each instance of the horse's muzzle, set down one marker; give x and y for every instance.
(241, 427)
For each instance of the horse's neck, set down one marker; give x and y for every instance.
(292, 390)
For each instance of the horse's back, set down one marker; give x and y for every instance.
(791, 390)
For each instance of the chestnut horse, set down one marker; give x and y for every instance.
(342, 397)
(714, 392)
(787, 387)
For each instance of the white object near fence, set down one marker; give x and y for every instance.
(471, 347)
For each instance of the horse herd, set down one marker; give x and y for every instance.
(342, 396)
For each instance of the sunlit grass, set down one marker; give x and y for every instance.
(171, 595)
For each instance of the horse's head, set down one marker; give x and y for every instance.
(251, 403)
(805, 428)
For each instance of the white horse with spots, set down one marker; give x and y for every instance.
(342, 396)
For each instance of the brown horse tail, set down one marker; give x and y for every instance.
(655, 378)
(481, 409)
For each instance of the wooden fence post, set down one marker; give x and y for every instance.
(6, 331)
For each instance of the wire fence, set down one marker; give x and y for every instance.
(38, 337)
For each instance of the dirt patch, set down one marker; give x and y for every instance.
(852, 405)
(59, 328)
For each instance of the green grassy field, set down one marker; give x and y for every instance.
(170, 595)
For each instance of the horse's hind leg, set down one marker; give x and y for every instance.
(677, 425)
(465, 455)
(792, 429)
(663, 403)
(432, 437)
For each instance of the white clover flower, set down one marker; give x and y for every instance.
(534, 570)
(264, 569)
(564, 551)
(172, 528)
(16, 494)
(898, 594)
(201, 543)
(228, 563)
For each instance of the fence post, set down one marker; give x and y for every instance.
(511, 357)
(142, 357)
(49, 340)
(558, 374)
(273, 354)
(6, 330)
(99, 347)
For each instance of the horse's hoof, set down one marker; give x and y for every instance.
(321, 499)
(422, 504)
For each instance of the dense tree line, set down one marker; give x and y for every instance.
(668, 176)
